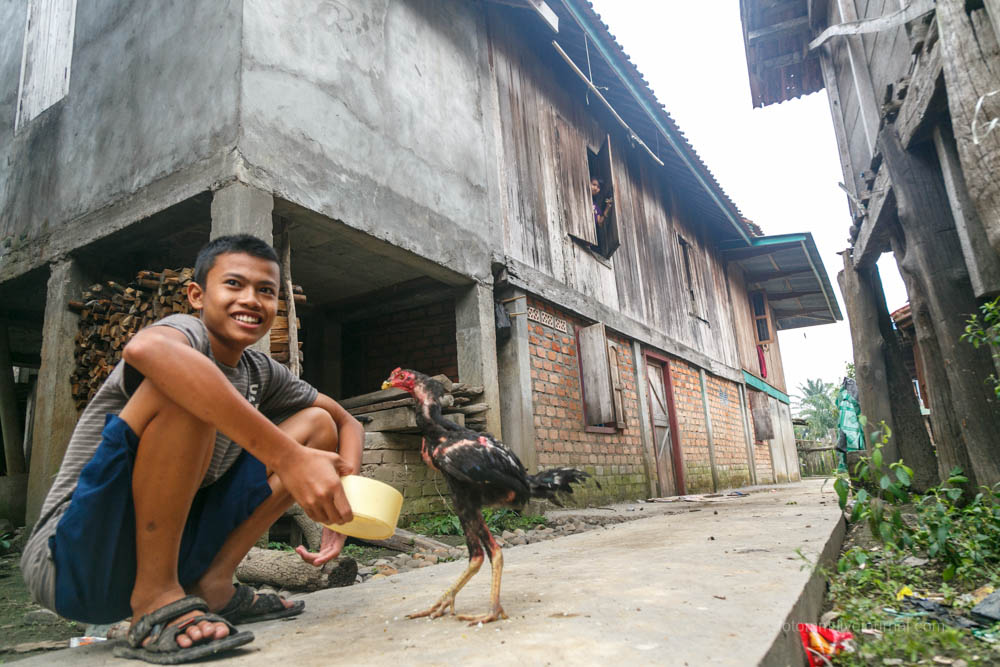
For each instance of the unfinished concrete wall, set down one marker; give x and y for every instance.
(152, 99)
(370, 113)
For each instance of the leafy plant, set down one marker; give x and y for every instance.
(986, 331)
(963, 536)
(280, 546)
(437, 524)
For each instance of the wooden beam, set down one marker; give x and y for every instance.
(982, 262)
(873, 238)
(969, 53)
(757, 278)
(800, 24)
(788, 296)
(783, 60)
(854, 27)
(736, 254)
(925, 101)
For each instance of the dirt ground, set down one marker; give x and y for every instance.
(22, 623)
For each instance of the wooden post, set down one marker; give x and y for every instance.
(862, 77)
(10, 418)
(965, 415)
(982, 261)
(746, 435)
(971, 65)
(294, 361)
(857, 286)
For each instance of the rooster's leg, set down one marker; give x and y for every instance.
(495, 553)
(446, 603)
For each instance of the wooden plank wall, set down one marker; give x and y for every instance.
(546, 132)
(887, 57)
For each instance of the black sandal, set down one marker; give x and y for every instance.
(246, 606)
(163, 648)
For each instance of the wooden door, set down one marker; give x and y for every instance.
(670, 479)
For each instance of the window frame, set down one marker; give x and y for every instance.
(765, 316)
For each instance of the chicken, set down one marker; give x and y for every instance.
(480, 471)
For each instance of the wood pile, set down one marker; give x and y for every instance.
(391, 410)
(111, 313)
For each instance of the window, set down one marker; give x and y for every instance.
(760, 409)
(600, 377)
(46, 58)
(599, 230)
(760, 309)
(690, 265)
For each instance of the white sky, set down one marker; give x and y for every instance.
(779, 164)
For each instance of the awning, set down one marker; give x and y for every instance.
(788, 268)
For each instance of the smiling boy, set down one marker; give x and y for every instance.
(155, 503)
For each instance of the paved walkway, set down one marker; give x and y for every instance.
(714, 582)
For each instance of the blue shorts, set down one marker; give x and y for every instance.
(93, 547)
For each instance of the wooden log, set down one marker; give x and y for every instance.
(474, 409)
(404, 540)
(285, 569)
(372, 397)
(312, 532)
(401, 420)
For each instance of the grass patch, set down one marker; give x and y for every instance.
(497, 520)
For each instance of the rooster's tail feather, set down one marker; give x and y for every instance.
(548, 483)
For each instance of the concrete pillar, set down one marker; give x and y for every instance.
(10, 418)
(238, 208)
(517, 409)
(475, 333)
(55, 412)
(747, 438)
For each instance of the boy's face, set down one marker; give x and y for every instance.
(238, 301)
(595, 187)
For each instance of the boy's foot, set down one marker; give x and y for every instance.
(247, 606)
(180, 631)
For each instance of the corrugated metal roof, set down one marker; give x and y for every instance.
(789, 270)
(776, 37)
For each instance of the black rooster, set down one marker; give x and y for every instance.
(480, 471)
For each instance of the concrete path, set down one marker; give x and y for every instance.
(706, 583)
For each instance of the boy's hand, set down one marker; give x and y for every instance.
(329, 548)
(312, 476)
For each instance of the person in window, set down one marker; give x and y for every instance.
(600, 213)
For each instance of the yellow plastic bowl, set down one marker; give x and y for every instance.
(375, 505)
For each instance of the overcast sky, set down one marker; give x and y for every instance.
(779, 164)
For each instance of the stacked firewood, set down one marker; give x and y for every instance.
(391, 410)
(111, 313)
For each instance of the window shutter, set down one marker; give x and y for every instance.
(616, 384)
(609, 243)
(598, 401)
(763, 429)
(573, 181)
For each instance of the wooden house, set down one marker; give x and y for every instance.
(913, 98)
(427, 166)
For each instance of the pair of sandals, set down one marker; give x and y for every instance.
(246, 606)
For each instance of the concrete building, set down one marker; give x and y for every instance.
(427, 161)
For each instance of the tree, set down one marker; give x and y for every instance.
(817, 404)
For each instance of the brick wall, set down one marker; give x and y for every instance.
(394, 458)
(691, 426)
(728, 438)
(419, 338)
(561, 438)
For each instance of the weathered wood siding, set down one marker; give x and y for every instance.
(546, 131)
(886, 60)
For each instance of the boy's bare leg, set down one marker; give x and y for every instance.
(175, 449)
(313, 427)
